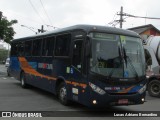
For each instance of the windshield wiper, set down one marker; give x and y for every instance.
(124, 58)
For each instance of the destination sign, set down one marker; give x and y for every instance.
(104, 36)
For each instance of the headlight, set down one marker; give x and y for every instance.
(142, 89)
(147, 76)
(96, 89)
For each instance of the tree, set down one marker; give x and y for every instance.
(6, 30)
(3, 55)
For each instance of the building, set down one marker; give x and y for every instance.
(146, 30)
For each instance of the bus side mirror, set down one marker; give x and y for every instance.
(88, 47)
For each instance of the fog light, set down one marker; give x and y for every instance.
(94, 102)
(142, 99)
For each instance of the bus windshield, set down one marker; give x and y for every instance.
(117, 56)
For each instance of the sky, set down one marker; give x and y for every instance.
(32, 14)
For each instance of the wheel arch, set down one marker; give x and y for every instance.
(59, 80)
(22, 71)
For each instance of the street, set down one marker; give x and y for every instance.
(14, 98)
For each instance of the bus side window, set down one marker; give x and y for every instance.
(14, 49)
(62, 45)
(77, 52)
(36, 47)
(21, 49)
(48, 46)
(28, 48)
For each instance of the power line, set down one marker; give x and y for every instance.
(24, 17)
(113, 22)
(36, 11)
(45, 12)
(52, 26)
(122, 14)
(154, 18)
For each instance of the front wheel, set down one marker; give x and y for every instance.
(62, 94)
(154, 88)
(23, 80)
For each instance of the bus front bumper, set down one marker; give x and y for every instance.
(97, 100)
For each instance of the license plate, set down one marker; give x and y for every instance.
(123, 101)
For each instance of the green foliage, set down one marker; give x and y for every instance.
(3, 55)
(6, 30)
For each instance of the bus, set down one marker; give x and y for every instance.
(96, 66)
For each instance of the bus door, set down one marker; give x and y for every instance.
(76, 69)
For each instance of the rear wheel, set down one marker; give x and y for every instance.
(154, 88)
(62, 94)
(23, 80)
(8, 74)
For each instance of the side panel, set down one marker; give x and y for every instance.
(34, 69)
(43, 72)
(14, 67)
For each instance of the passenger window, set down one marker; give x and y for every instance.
(48, 46)
(21, 48)
(36, 47)
(62, 45)
(14, 49)
(77, 52)
(28, 48)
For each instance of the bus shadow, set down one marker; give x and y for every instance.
(38, 91)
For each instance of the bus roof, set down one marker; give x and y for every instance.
(86, 28)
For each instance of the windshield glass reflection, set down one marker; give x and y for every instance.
(116, 56)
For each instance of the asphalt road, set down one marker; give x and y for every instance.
(15, 98)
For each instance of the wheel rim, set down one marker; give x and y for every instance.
(63, 94)
(155, 89)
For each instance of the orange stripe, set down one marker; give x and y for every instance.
(77, 84)
(28, 69)
(126, 90)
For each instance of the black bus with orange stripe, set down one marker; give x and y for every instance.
(92, 65)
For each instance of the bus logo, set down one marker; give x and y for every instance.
(45, 66)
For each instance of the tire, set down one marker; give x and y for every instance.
(62, 94)
(23, 80)
(8, 73)
(154, 88)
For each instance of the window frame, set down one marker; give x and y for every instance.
(44, 42)
(13, 48)
(70, 44)
(31, 40)
(37, 39)
(20, 43)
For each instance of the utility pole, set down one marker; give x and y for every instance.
(121, 20)
(0, 15)
(41, 30)
(121, 17)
